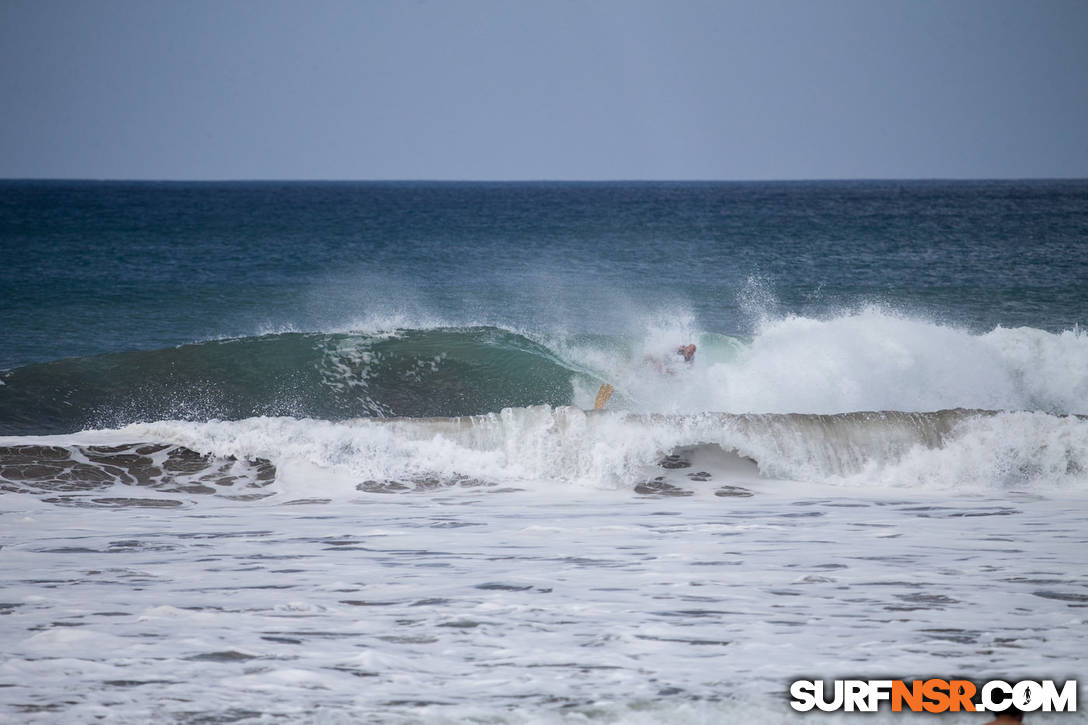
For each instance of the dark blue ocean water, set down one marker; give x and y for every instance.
(515, 294)
(91, 267)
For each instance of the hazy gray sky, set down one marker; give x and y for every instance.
(555, 89)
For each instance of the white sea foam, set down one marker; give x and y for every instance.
(544, 446)
(527, 607)
(870, 359)
(1005, 451)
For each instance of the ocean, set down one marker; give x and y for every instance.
(326, 452)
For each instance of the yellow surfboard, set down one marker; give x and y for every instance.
(602, 396)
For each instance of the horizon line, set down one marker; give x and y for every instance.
(450, 180)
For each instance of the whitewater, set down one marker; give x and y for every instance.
(403, 508)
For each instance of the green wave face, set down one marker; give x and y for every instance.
(412, 373)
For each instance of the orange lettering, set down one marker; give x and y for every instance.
(911, 695)
(936, 691)
(960, 694)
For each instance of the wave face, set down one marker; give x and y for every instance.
(436, 372)
(541, 445)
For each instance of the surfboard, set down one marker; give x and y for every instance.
(603, 395)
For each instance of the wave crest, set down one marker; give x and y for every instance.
(871, 359)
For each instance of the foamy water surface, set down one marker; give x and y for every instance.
(549, 603)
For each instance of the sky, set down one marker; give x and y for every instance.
(548, 89)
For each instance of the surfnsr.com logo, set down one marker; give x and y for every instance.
(933, 695)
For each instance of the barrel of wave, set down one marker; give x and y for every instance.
(652, 376)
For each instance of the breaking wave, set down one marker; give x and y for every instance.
(869, 359)
(543, 446)
(442, 406)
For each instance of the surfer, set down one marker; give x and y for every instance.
(687, 352)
